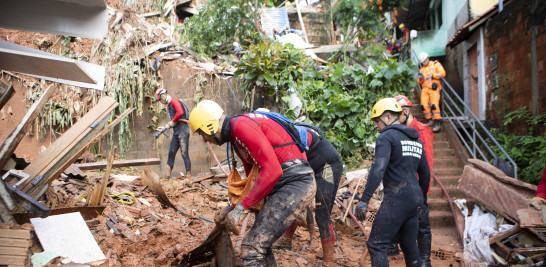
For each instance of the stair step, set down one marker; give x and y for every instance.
(443, 152)
(448, 180)
(447, 163)
(440, 145)
(436, 192)
(441, 218)
(438, 204)
(441, 136)
(440, 172)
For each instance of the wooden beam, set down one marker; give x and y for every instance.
(106, 176)
(13, 139)
(7, 93)
(504, 234)
(15, 233)
(52, 161)
(11, 242)
(301, 23)
(83, 146)
(118, 164)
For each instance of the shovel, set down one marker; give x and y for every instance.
(217, 245)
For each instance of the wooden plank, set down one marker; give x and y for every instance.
(7, 93)
(83, 144)
(106, 176)
(88, 139)
(56, 167)
(13, 139)
(15, 233)
(504, 234)
(13, 251)
(66, 139)
(12, 242)
(70, 138)
(119, 163)
(12, 260)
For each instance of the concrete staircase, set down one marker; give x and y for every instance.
(448, 168)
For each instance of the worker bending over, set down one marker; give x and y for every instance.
(328, 168)
(285, 180)
(424, 236)
(399, 157)
(178, 112)
(429, 78)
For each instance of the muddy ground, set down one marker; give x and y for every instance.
(156, 235)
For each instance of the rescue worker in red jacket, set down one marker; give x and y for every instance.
(178, 112)
(424, 236)
(429, 78)
(285, 180)
(399, 158)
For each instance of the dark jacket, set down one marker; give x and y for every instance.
(399, 157)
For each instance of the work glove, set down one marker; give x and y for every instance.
(234, 217)
(421, 77)
(167, 126)
(360, 210)
(537, 203)
(220, 216)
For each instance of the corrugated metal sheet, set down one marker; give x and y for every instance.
(274, 18)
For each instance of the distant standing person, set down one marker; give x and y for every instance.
(178, 112)
(429, 78)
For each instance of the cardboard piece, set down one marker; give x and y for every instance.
(67, 235)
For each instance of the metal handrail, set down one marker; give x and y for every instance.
(452, 102)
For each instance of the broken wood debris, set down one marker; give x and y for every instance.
(14, 245)
(118, 164)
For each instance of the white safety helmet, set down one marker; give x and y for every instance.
(422, 57)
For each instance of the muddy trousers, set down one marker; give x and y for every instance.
(424, 236)
(432, 110)
(180, 139)
(394, 217)
(292, 193)
(327, 178)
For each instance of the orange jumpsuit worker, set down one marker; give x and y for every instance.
(429, 78)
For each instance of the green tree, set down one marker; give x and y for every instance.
(219, 24)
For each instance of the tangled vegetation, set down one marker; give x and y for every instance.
(337, 98)
(219, 24)
(527, 151)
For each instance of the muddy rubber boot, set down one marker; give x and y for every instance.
(188, 174)
(424, 243)
(328, 249)
(437, 127)
(392, 249)
(167, 174)
(429, 123)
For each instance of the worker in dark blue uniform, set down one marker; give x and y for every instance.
(399, 157)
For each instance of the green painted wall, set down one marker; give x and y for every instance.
(434, 41)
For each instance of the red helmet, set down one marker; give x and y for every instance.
(159, 92)
(403, 101)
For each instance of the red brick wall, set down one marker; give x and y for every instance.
(509, 35)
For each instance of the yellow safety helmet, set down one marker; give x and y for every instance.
(401, 25)
(384, 104)
(263, 110)
(206, 116)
